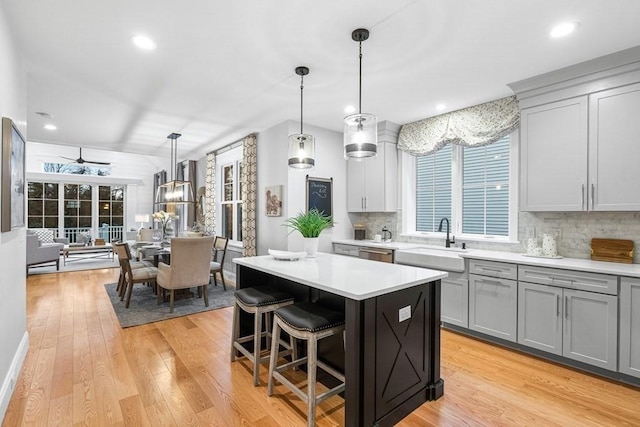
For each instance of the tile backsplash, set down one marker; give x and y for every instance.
(574, 241)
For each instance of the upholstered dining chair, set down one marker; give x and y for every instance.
(217, 264)
(131, 276)
(133, 264)
(190, 263)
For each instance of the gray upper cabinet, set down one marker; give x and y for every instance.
(630, 326)
(578, 136)
(554, 156)
(614, 150)
(373, 183)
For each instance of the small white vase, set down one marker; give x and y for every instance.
(311, 246)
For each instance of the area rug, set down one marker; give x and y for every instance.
(145, 309)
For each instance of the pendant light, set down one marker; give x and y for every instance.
(174, 192)
(301, 146)
(360, 129)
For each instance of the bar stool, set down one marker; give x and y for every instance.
(257, 301)
(311, 322)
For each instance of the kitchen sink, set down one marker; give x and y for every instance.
(435, 257)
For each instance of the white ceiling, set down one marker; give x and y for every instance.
(225, 68)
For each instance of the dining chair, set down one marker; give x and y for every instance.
(190, 264)
(133, 264)
(217, 263)
(132, 276)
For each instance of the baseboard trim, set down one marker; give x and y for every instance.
(9, 383)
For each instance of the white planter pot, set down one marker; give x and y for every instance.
(311, 246)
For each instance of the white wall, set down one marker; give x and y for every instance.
(134, 170)
(273, 170)
(13, 314)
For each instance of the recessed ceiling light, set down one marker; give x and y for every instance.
(143, 42)
(349, 109)
(50, 127)
(441, 107)
(563, 29)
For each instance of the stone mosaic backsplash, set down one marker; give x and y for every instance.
(576, 229)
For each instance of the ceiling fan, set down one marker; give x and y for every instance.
(80, 160)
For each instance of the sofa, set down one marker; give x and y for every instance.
(39, 253)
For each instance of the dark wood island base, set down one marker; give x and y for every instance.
(392, 345)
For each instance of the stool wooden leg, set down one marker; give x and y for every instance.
(312, 357)
(273, 357)
(235, 330)
(257, 340)
(267, 327)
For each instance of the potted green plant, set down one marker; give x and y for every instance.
(310, 225)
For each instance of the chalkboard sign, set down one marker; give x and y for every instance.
(320, 195)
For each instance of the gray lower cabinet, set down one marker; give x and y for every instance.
(493, 306)
(575, 324)
(630, 326)
(454, 307)
(540, 317)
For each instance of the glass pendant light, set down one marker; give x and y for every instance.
(301, 145)
(360, 129)
(175, 191)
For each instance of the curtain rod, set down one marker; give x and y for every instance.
(228, 147)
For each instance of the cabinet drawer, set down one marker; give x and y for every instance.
(349, 250)
(591, 282)
(502, 270)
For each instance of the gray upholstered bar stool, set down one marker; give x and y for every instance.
(257, 301)
(311, 322)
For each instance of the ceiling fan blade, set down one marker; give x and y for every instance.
(97, 163)
(68, 158)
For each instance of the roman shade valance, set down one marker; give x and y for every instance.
(473, 126)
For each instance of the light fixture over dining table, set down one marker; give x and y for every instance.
(301, 146)
(174, 192)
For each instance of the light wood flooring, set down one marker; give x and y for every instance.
(83, 369)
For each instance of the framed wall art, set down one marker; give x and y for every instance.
(273, 200)
(12, 204)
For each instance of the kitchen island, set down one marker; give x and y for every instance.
(392, 327)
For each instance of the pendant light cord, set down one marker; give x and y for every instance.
(301, 104)
(360, 86)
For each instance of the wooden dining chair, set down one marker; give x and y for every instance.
(132, 276)
(189, 268)
(217, 263)
(120, 288)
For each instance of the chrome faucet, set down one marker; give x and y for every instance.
(447, 242)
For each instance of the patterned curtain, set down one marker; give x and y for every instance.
(210, 198)
(478, 125)
(249, 194)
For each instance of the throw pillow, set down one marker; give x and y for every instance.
(44, 234)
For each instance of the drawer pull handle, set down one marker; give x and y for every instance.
(561, 279)
(495, 270)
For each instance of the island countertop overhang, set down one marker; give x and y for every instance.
(350, 277)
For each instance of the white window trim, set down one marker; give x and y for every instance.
(408, 185)
(233, 157)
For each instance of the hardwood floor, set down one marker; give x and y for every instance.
(83, 369)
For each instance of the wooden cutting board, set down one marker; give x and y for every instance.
(613, 250)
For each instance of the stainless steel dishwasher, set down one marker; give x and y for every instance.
(376, 254)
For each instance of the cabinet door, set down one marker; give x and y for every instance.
(540, 317)
(630, 327)
(355, 187)
(554, 156)
(454, 298)
(614, 150)
(374, 181)
(591, 328)
(492, 306)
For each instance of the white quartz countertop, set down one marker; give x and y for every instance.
(350, 277)
(383, 245)
(616, 268)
